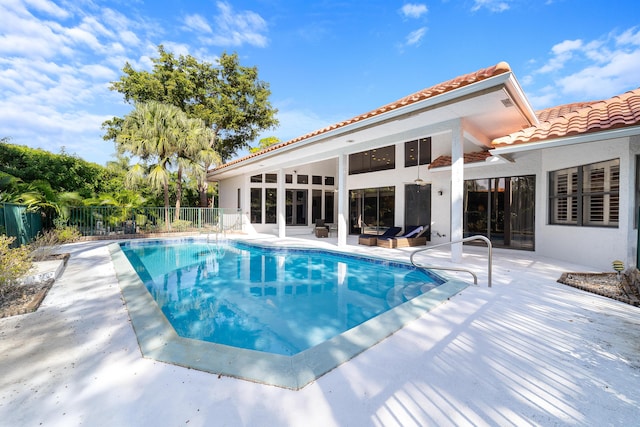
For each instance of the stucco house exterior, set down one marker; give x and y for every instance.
(464, 157)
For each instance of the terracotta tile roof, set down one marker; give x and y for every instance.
(443, 161)
(579, 118)
(555, 112)
(430, 92)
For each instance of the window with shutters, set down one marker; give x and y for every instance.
(587, 195)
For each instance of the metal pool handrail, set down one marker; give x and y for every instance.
(466, 239)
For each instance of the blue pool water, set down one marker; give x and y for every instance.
(280, 301)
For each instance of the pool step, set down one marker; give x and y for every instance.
(399, 294)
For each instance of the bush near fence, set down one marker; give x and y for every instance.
(110, 222)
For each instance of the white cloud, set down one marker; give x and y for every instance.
(415, 37)
(543, 98)
(411, 10)
(79, 36)
(49, 128)
(490, 5)
(629, 37)
(237, 28)
(197, 24)
(581, 70)
(48, 7)
(566, 46)
(176, 48)
(562, 52)
(597, 81)
(99, 72)
(55, 69)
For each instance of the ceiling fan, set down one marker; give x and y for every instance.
(419, 181)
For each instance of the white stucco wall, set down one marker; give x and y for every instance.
(228, 193)
(228, 198)
(591, 246)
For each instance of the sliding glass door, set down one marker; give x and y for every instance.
(371, 210)
(417, 206)
(501, 209)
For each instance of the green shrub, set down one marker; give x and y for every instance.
(48, 242)
(67, 234)
(63, 233)
(180, 225)
(14, 263)
(44, 245)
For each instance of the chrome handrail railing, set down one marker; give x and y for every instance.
(466, 239)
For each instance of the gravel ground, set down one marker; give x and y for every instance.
(605, 284)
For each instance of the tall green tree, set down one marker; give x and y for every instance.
(230, 98)
(151, 132)
(194, 154)
(162, 137)
(265, 143)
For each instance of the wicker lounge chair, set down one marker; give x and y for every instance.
(389, 242)
(412, 237)
(372, 239)
(418, 239)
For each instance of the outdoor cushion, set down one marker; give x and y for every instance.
(386, 240)
(412, 231)
(419, 238)
(372, 239)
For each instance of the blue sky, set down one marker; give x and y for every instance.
(325, 61)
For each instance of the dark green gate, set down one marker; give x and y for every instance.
(16, 221)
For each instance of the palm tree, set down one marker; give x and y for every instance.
(162, 136)
(193, 153)
(152, 132)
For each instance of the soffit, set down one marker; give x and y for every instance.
(618, 112)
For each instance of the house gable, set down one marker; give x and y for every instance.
(621, 111)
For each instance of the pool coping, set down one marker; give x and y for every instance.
(158, 340)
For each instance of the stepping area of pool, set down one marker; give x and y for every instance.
(528, 351)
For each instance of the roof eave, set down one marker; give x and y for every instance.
(506, 79)
(514, 88)
(567, 140)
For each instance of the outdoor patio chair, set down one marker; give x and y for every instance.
(372, 239)
(321, 229)
(417, 238)
(388, 242)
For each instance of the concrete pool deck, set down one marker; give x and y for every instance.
(528, 351)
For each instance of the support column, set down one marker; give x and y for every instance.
(343, 206)
(457, 191)
(280, 205)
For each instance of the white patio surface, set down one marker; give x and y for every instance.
(528, 351)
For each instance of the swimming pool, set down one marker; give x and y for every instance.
(281, 301)
(160, 340)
